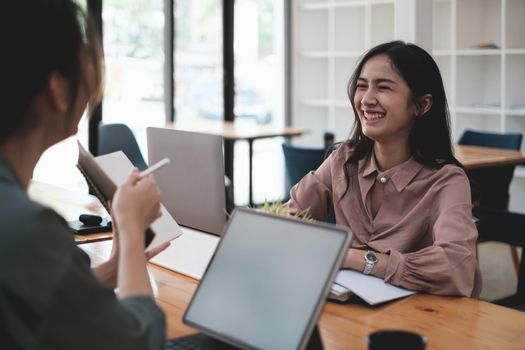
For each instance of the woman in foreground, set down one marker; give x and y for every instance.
(50, 298)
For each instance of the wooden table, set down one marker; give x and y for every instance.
(447, 322)
(239, 131)
(474, 157)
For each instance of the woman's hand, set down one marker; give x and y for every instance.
(136, 205)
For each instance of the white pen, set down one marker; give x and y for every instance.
(154, 167)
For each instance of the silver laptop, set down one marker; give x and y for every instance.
(266, 284)
(193, 183)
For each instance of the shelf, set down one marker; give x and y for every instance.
(316, 6)
(442, 53)
(323, 5)
(322, 102)
(478, 52)
(475, 52)
(332, 54)
(382, 2)
(350, 4)
(477, 110)
(515, 51)
(515, 112)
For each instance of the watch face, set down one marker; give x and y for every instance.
(370, 256)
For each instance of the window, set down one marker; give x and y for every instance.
(198, 60)
(134, 58)
(259, 95)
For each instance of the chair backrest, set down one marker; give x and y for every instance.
(491, 185)
(119, 137)
(299, 161)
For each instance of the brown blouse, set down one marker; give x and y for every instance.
(424, 221)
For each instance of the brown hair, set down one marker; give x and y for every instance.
(39, 37)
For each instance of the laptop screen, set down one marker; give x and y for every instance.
(267, 281)
(193, 183)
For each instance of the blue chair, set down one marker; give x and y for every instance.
(491, 186)
(299, 161)
(119, 137)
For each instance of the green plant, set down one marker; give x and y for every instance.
(280, 208)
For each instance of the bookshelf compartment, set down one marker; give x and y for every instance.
(313, 4)
(382, 23)
(442, 24)
(515, 80)
(313, 78)
(349, 2)
(344, 67)
(478, 82)
(314, 33)
(348, 24)
(315, 119)
(489, 123)
(515, 24)
(344, 119)
(516, 124)
(445, 68)
(478, 22)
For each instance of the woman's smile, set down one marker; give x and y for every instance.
(372, 116)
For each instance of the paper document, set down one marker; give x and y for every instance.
(371, 289)
(117, 167)
(190, 255)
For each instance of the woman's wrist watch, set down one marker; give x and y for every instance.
(370, 261)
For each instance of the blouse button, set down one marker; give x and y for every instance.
(383, 179)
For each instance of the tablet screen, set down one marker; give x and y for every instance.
(267, 280)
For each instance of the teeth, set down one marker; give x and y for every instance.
(373, 116)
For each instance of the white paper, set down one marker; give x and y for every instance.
(190, 254)
(117, 166)
(371, 289)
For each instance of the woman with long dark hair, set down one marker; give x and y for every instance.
(396, 182)
(50, 297)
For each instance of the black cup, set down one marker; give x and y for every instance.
(396, 339)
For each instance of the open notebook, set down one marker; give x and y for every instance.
(373, 290)
(104, 173)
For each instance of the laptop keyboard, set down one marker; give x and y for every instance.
(181, 344)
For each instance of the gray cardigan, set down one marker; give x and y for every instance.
(49, 298)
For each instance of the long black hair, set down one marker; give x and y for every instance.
(429, 140)
(39, 37)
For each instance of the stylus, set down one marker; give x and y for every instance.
(154, 167)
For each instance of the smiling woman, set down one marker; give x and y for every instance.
(396, 182)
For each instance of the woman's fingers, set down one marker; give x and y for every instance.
(157, 250)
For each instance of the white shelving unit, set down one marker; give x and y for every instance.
(480, 48)
(329, 37)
